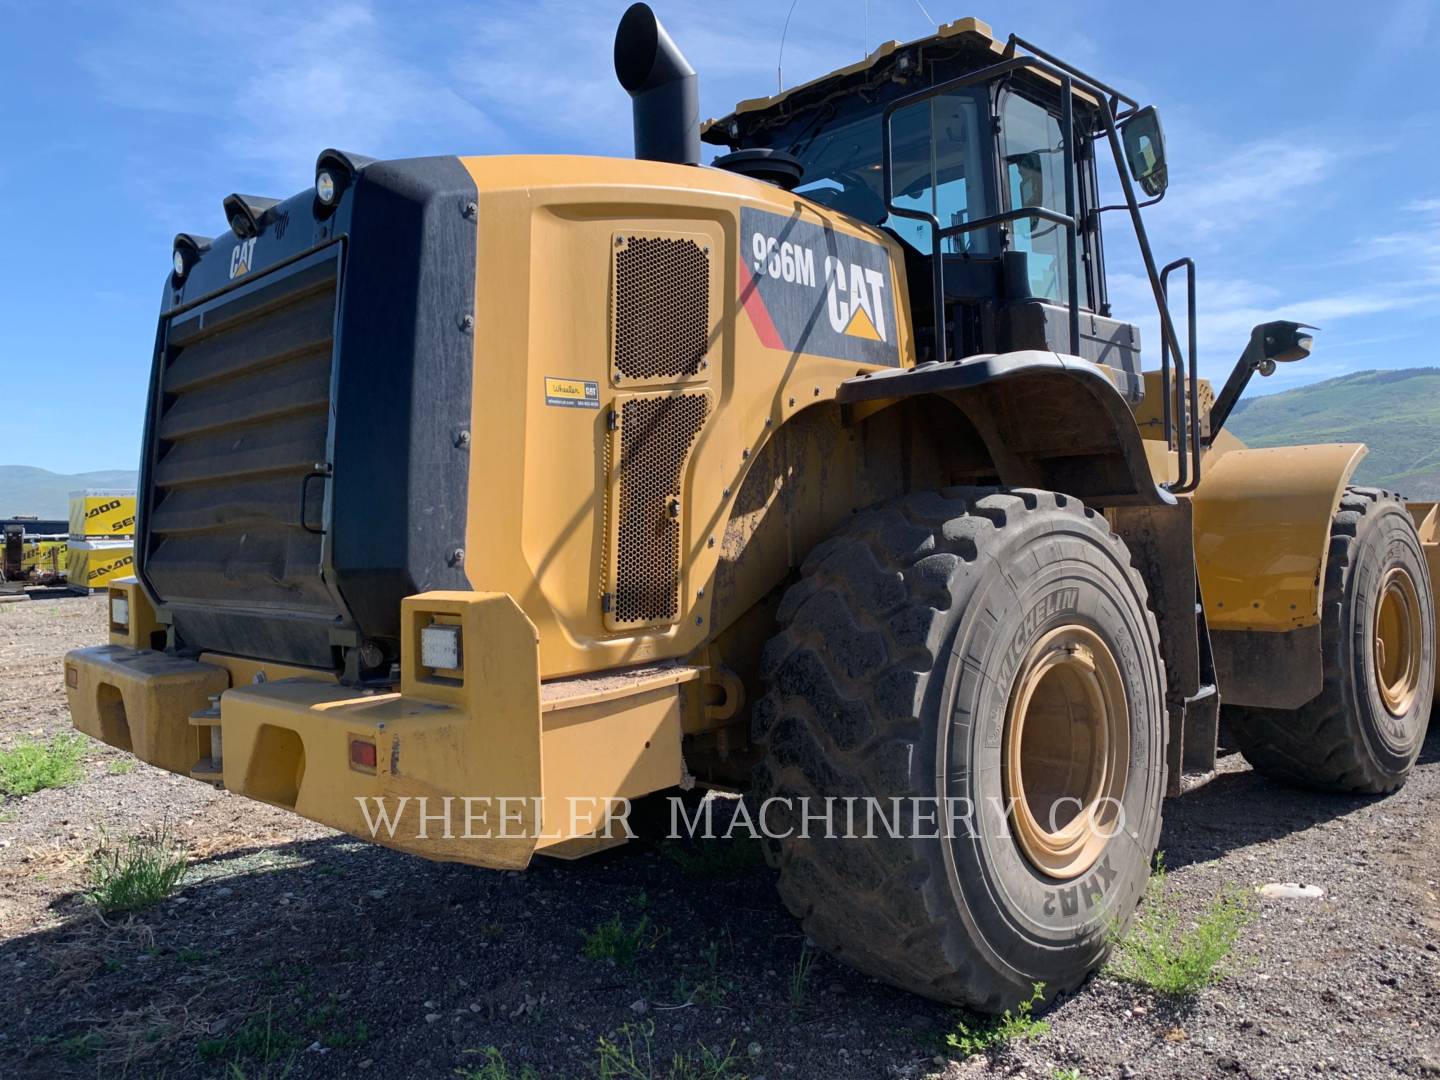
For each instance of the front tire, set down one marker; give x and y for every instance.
(1363, 732)
(974, 645)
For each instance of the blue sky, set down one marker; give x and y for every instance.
(1302, 137)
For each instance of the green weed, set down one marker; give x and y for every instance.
(121, 766)
(629, 1054)
(715, 858)
(615, 941)
(31, 767)
(1068, 1073)
(495, 1068)
(135, 872)
(1164, 953)
(705, 983)
(980, 1035)
(800, 976)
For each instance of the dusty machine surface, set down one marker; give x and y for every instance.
(481, 493)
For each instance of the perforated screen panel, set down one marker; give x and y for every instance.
(662, 308)
(655, 437)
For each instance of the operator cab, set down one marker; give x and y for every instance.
(963, 152)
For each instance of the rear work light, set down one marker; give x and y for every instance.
(120, 610)
(440, 647)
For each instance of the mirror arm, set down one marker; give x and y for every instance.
(1269, 342)
(1122, 206)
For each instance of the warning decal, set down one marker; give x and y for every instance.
(810, 289)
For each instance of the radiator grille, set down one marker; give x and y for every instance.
(242, 418)
(656, 434)
(662, 307)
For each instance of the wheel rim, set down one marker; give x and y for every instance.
(1397, 638)
(1067, 744)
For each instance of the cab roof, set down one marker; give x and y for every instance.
(959, 33)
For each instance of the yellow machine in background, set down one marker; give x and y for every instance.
(824, 473)
(93, 564)
(97, 513)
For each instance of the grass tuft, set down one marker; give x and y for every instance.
(715, 858)
(1178, 960)
(629, 1054)
(981, 1035)
(800, 976)
(135, 872)
(707, 983)
(31, 766)
(615, 941)
(494, 1068)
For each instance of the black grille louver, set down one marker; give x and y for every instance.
(242, 419)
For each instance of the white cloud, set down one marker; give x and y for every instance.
(273, 93)
(1231, 190)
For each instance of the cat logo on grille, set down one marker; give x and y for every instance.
(242, 257)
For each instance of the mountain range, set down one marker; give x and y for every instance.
(24, 489)
(1395, 413)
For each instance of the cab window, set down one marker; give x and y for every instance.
(939, 152)
(1033, 150)
(939, 155)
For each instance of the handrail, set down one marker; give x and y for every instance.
(1115, 95)
(1187, 479)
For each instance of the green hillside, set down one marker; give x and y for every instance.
(25, 489)
(1396, 413)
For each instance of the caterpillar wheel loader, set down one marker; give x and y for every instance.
(482, 494)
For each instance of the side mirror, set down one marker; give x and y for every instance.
(1145, 150)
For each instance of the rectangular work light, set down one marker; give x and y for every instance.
(440, 647)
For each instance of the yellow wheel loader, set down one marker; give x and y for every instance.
(481, 495)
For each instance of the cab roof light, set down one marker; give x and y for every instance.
(243, 213)
(335, 173)
(186, 252)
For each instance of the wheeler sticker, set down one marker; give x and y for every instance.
(572, 393)
(810, 289)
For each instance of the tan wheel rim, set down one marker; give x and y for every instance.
(1067, 745)
(1397, 639)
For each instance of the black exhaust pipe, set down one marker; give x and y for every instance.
(664, 89)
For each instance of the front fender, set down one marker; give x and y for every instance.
(1262, 531)
(1262, 536)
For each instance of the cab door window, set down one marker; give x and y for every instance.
(1033, 150)
(939, 152)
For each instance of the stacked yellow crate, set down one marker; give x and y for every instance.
(102, 538)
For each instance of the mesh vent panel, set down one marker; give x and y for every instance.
(662, 308)
(655, 439)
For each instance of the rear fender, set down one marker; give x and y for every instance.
(1047, 421)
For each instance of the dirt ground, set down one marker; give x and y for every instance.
(291, 950)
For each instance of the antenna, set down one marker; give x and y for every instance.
(925, 13)
(780, 63)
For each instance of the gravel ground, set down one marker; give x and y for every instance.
(294, 951)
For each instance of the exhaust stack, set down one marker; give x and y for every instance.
(664, 89)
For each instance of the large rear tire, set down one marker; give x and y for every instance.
(1363, 732)
(980, 645)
